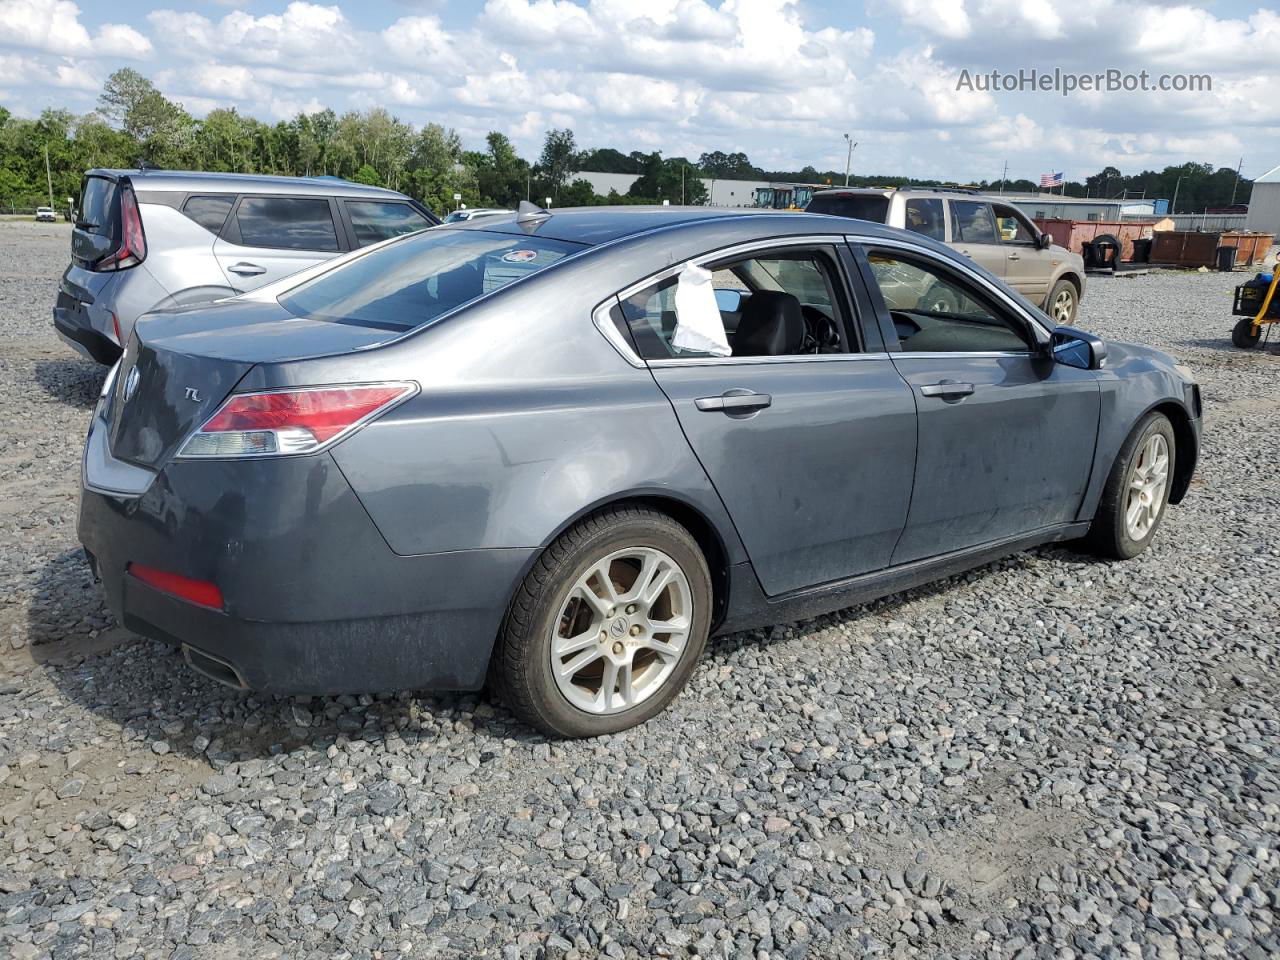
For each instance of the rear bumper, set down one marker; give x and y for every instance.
(315, 602)
(82, 314)
(73, 327)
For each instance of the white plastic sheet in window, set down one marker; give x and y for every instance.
(699, 328)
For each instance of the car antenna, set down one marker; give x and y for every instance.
(528, 212)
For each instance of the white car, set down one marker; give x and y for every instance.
(45, 215)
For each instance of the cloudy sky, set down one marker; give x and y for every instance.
(782, 81)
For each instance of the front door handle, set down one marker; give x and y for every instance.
(246, 269)
(733, 402)
(1014, 256)
(947, 390)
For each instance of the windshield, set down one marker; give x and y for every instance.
(860, 206)
(411, 281)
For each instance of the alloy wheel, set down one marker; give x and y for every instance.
(1062, 306)
(1147, 487)
(621, 630)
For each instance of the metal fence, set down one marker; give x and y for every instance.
(1215, 222)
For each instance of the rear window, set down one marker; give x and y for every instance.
(287, 223)
(375, 220)
(420, 277)
(860, 206)
(97, 205)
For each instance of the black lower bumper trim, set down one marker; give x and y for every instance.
(100, 346)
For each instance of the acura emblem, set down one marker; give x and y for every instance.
(131, 384)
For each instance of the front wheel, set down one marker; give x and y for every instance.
(1246, 334)
(607, 626)
(1137, 491)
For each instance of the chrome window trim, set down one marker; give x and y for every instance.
(943, 354)
(604, 323)
(600, 315)
(969, 272)
(744, 361)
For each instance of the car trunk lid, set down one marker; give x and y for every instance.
(181, 364)
(160, 396)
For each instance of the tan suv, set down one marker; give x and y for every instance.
(988, 230)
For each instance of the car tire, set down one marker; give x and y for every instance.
(1136, 496)
(1246, 334)
(1065, 291)
(552, 628)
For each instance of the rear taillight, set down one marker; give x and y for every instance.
(283, 422)
(133, 242)
(204, 593)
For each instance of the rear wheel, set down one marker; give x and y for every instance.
(1137, 492)
(1246, 334)
(607, 627)
(1062, 303)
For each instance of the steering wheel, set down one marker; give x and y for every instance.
(821, 332)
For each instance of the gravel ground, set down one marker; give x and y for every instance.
(1047, 757)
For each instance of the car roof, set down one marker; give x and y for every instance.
(886, 191)
(594, 225)
(187, 181)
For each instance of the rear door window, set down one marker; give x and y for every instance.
(286, 223)
(376, 220)
(972, 222)
(860, 206)
(211, 211)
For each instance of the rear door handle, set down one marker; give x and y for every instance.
(734, 402)
(1014, 256)
(947, 389)
(247, 269)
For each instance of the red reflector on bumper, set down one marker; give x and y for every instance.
(204, 593)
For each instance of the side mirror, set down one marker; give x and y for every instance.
(728, 300)
(1076, 348)
(1043, 241)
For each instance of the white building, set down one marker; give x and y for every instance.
(721, 193)
(1264, 203)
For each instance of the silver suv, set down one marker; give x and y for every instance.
(146, 240)
(989, 230)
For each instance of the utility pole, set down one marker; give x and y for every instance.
(848, 157)
(682, 166)
(1173, 206)
(47, 175)
(1237, 183)
(1004, 175)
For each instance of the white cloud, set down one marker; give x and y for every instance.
(779, 79)
(53, 26)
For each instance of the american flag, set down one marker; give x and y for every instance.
(1050, 179)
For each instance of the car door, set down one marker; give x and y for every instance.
(269, 237)
(1006, 436)
(1027, 267)
(805, 429)
(973, 233)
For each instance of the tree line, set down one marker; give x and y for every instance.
(135, 124)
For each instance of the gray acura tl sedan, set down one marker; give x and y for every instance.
(559, 450)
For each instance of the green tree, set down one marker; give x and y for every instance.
(559, 157)
(366, 174)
